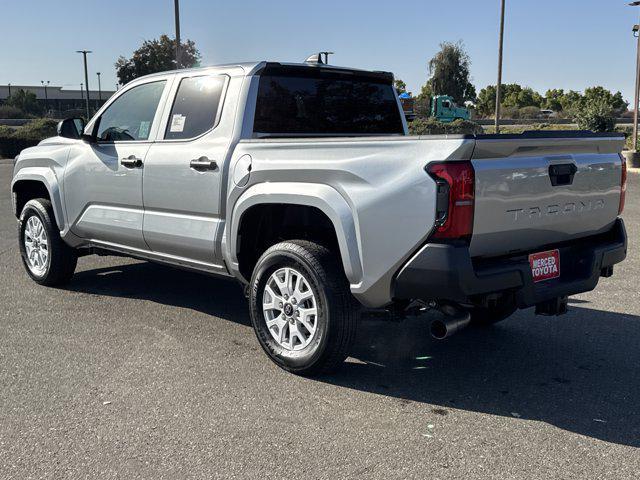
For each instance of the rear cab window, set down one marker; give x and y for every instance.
(195, 107)
(309, 101)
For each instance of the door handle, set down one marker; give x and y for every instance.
(562, 173)
(203, 163)
(131, 162)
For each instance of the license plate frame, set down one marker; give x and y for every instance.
(545, 265)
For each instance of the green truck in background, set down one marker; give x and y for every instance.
(441, 107)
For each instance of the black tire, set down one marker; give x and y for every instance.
(338, 311)
(62, 258)
(499, 311)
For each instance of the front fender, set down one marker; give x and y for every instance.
(326, 199)
(47, 177)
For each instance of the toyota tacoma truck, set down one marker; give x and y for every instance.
(302, 182)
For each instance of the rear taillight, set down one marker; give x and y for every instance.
(623, 184)
(456, 199)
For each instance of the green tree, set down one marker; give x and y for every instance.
(570, 100)
(600, 95)
(486, 102)
(156, 56)
(553, 99)
(422, 104)
(595, 114)
(401, 87)
(522, 97)
(449, 73)
(513, 97)
(24, 100)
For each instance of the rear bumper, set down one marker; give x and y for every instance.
(447, 272)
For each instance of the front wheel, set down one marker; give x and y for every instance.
(301, 308)
(46, 258)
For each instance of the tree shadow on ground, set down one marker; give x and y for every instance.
(578, 372)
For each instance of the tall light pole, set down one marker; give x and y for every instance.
(81, 93)
(499, 66)
(9, 85)
(86, 78)
(99, 89)
(46, 97)
(176, 7)
(637, 92)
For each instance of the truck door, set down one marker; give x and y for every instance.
(103, 179)
(183, 174)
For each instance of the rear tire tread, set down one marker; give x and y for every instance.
(342, 306)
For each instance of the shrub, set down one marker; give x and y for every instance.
(596, 115)
(509, 112)
(39, 129)
(509, 129)
(7, 111)
(12, 141)
(431, 126)
(529, 112)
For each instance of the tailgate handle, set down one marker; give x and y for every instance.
(562, 174)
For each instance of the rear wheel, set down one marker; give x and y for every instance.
(302, 310)
(46, 258)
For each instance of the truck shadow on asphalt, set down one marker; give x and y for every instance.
(579, 372)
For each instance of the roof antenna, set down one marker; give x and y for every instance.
(326, 56)
(317, 58)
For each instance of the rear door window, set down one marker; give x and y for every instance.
(195, 107)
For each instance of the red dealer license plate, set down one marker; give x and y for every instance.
(545, 265)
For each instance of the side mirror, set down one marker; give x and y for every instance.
(71, 128)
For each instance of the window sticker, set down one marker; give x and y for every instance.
(143, 131)
(177, 123)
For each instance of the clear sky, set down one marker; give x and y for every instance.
(570, 44)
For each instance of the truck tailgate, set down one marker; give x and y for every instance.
(537, 189)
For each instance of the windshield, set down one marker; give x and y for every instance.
(325, 103)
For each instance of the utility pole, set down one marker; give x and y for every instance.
(499, 66)
(176, 5)
(81, 93)
(86, 78)
(636, 32)
(99, 90)
(46, 97)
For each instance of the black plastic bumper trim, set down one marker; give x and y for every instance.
(447, 272)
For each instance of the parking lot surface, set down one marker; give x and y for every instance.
(136, 370)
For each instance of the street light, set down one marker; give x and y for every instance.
(500, 66)
(176, 7)
(46, 97)
(86, 77)
(81, 93)
(99, 89)
(637, 92)
(9, 85)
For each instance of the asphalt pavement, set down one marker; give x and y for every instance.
(136, 370)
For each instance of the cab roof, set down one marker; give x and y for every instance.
(253, 68)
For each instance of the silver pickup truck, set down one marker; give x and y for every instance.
(301, 181)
